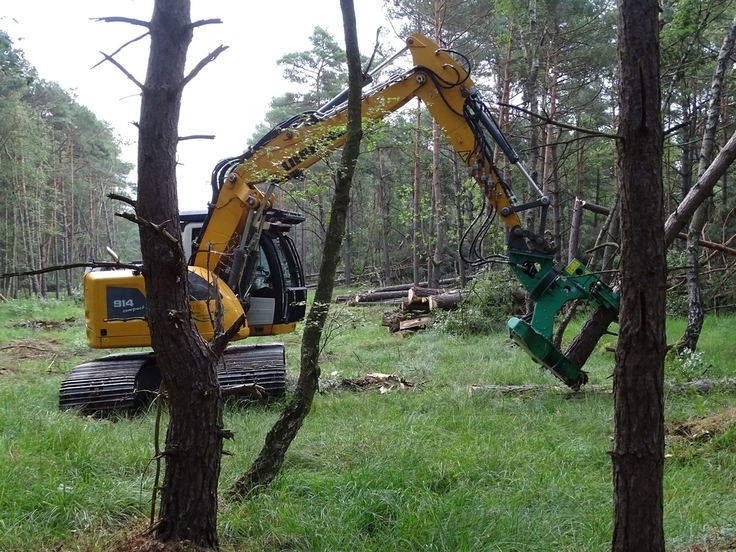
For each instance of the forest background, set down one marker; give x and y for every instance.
(552, 78)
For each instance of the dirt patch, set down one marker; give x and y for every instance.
(46, 324)
(33, 349)
(138, 537)
(703, 428)
(147, 543)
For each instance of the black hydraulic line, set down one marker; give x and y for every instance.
(480, 112)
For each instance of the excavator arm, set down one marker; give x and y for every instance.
(448, 92)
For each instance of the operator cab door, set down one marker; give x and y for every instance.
(277, 295)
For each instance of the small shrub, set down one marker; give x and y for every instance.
(487, 308)
(685, 366)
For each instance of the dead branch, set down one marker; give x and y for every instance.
(125, 199)
(197, 137)
(203, 22)
(247, 389)
(93, 264)
(549, 121)
(219, 342)
(115, 19)
(703, 243)
(212, 56)
(125, 71)
(121, 48)
(157, 229)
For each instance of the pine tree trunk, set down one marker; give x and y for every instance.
(638, 445)
(348, 259)
(415, 238)
(194, 437)
(385, 220)
(459, 198)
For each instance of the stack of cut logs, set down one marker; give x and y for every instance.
(414, 304)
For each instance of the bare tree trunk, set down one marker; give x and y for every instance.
(610, 234)
(187, 364)
(348, 260)
(416, 199)
(385, 220)
(532, 100)
(271, 458)
(638, 445)
(25, 206)
(696, 312)
(550, 180)
(459, 196)
(438, 211)
(435, 272)
(68, 219)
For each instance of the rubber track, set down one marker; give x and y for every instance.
(109, 384)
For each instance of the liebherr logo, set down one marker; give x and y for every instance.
(324, 143)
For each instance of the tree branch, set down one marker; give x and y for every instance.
(157, 229)
(197, 137)
(116, 19)
(93, 264)
(123, 46)
(202, 22)
(208, 59)
(701, 190)
(549, 121)
(219, 342)
(125, 199)
(125, 72)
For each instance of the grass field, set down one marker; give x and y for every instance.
(445, 464)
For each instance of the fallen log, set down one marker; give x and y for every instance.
(374, 296)
(446, 301)
(417, 299)
(385, 302)
(698, 386)
(596, 326)
(426, 300)
(418, 292)
(680, 235)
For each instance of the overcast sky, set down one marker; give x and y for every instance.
(228, 98)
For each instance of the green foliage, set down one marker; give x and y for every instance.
(58, 162)
(448, 464)
(487, 307)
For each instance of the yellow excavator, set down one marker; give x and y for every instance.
(240, 250)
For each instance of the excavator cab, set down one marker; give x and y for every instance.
(271, 291)
(274, 300)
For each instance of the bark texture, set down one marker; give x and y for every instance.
(194, 437)
(268, 463)
(638, 447)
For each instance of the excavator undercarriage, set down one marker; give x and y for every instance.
(129, 381)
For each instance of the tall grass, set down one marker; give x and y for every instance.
(448, 464)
